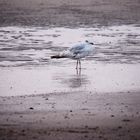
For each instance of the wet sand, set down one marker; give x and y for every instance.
(71, 116)
(56, 78)
(101, 102)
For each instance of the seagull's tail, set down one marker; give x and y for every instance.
(57, 56)
(64, 54)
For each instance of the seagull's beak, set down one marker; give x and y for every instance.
(92, 43)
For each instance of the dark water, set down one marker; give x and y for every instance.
(69, 13)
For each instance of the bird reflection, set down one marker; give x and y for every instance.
(77, 80)
(78, 72)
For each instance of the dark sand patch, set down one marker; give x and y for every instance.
(64, 116)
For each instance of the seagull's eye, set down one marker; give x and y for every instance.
(92, 43)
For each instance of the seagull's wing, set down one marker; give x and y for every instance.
(77, 49)
(71, 52)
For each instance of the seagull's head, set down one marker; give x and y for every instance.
(91, 43)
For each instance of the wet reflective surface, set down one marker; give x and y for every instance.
(98, 78)
(26, 67)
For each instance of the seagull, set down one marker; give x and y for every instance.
(76, 52)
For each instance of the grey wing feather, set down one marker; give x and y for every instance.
(77, 49)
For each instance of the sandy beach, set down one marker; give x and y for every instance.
(70, 106)
(71, 115)
(45, 99)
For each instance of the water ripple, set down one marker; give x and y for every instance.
(21, 46)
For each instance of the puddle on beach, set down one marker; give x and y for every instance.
(26, 67)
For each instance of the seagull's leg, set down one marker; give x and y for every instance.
(77, 64)
(79, 71)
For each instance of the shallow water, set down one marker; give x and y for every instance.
(94, 77)
(26, 67)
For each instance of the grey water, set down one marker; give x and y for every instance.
(21, 46)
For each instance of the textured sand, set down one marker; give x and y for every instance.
(71, 116)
